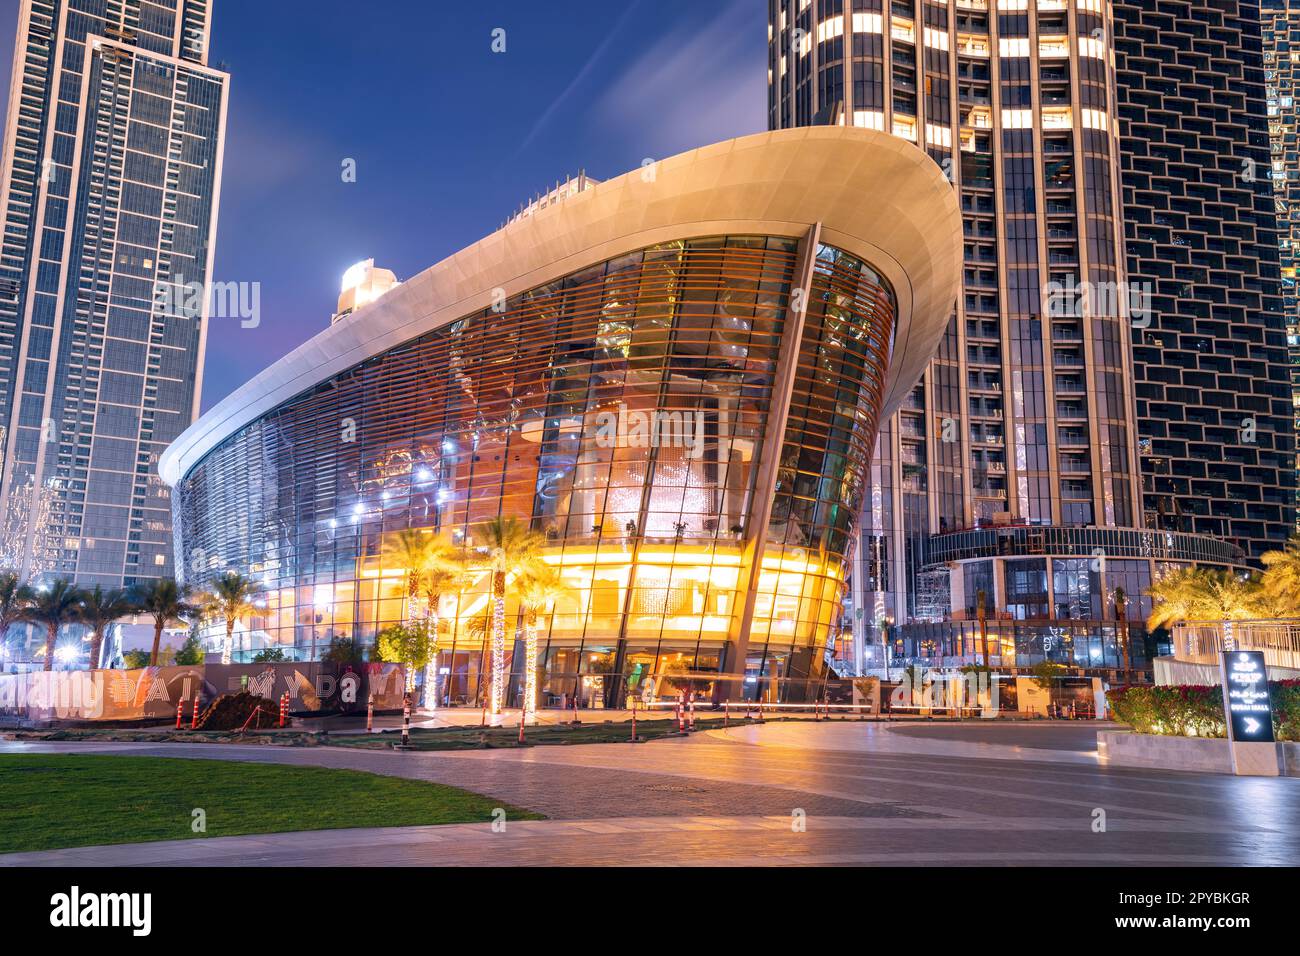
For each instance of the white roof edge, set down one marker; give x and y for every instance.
(876, 196)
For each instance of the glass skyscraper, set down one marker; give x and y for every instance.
(109, 188)
(1012, 475)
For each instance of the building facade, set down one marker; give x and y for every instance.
(675, 377)
(1026, 426)
(109, 187)
(1216, 422)
(1281, 23)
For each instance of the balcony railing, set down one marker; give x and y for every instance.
(1201, 642)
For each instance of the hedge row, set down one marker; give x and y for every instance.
(1192, 711)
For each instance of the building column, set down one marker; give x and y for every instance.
(731, 686)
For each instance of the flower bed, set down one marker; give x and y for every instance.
(1192, 711)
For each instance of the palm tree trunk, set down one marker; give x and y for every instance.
(157, 642)
(498, 644)
(230, 640)
(431, 668)
(530, 671)
(51, 635)
(96, 642)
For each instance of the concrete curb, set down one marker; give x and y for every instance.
(1124, 748)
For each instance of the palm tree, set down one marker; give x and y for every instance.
(539, 589)
(513, 548)
(1203, 594)
(166, 602)
(1281, 580)
(446, 572)
(231, 599)
(414, 550)
(53, 605)
(98, 610)
(14, 599)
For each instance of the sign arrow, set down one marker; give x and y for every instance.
(1252, 725)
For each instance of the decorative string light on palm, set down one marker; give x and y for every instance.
(514, 548)
(447, 572)
(539, 589)
(428, 560)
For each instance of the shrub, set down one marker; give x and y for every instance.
(1046, 672)
(133, 660)
(1197, 711)
(191, 652)
(343, 650)
(270, 655)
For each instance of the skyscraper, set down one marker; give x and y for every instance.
(1281, 22)
(1011, 478)
(109, 187)
(1215, 421)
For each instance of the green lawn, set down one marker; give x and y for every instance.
(49, 801)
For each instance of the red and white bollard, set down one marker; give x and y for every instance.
(760, 710)
(406, 719)
(691, 712)
(180, 712)
(522, 714)
(634, 720)
(284, 707)
(370, 714)
(194, 718)
(726, 712)
(681, 715)
(576, 719)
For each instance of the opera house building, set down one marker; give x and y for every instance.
(674, 378)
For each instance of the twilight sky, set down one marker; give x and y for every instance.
(448, 137)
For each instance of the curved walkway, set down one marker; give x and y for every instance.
(862, 793)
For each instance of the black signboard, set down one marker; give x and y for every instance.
(1245, 697)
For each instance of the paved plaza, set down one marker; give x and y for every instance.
(780, 794)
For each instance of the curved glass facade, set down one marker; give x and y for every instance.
(626, 412)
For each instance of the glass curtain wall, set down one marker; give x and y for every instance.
(621, 412)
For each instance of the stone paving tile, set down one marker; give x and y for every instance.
(712, 841)
(710, 800)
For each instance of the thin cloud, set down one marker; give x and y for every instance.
(578, 78)
(695, 86)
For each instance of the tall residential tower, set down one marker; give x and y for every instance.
(1281, 23)
(1215, 422)
(109, 186)
(1012, 475)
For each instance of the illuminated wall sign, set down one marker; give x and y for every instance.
(1245, 697)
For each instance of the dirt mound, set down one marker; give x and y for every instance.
(232, 711)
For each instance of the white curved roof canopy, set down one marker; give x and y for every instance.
(876, 196)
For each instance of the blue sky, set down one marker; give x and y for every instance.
(448, 137)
